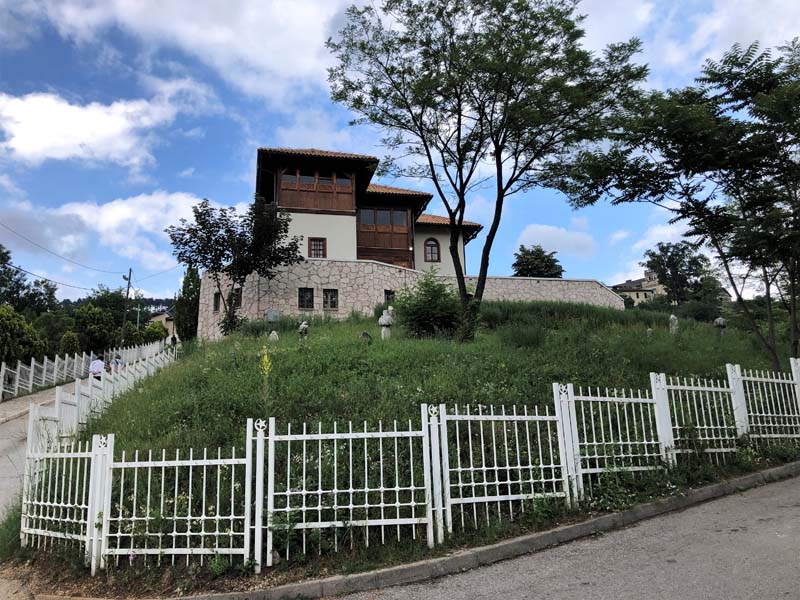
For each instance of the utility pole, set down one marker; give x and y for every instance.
(138, 310)
(125, 312)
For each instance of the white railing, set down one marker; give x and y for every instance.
(24, 379)
(313, 489)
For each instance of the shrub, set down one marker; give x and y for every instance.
(428, 309)
(70, 343)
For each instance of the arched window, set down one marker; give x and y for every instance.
(432, 253)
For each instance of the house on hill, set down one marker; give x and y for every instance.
(642, 289)
(362, 242)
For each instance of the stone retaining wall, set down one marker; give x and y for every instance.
(362, 285)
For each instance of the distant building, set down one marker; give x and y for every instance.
(166, 319)
(641, 290)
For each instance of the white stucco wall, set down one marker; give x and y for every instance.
(442, 235)
(339, 230)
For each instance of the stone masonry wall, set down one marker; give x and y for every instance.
(361, 285)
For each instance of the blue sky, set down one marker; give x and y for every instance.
(116, 116)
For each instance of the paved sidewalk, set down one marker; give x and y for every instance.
(736, 548)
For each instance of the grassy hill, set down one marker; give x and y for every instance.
(520, 350)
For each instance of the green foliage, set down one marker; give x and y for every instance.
(131, 336)
(679, 267)
(96, 327)
(535, 261)
(28, 299)
(70, 343)
(51, 327)
(430, 308)
(9, 530)
(18, 339)
(231, 247)
(154, 332)
(471, 80)
(187, 306)
(205, 399)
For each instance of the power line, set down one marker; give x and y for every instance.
(77, 287)
(156, 274)
(74, 262)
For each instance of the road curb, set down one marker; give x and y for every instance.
(467, 559)
(23, 412)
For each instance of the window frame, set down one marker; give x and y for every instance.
(438, 247)
(217, 301)
(300, 297)
(327, 294)
(324, 247)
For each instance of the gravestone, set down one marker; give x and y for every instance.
(273, 336)
(386, 321)
(673, 324)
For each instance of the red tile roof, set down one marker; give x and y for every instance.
(386, 189)
(426, 219)
(317, 153)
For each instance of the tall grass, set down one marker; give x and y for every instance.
(205, 399)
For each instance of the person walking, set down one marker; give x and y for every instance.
(116, 363)
(96, 368)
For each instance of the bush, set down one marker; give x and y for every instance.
(70, 343)
(429, 309)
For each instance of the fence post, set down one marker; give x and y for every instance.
(259, 498)
(795, 363)
(105, 507)
(666, 438)
(436, 471)
(94, 517)
(569, 449)
(2, 380)
(448, 510)
(426, 471)
(248, 487)
(16, 378)
(738, 399)
(30, 376)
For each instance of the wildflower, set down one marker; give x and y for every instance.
(266, 364)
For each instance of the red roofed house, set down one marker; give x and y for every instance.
(361, 241)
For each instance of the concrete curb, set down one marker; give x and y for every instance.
(22, 412)
(464, 560)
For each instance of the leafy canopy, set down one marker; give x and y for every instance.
(478, 94)
(187, 306)
(679, 267)
(535, 261)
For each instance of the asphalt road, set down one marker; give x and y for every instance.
(745, 546)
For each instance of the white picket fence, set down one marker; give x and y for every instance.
(315, 489)
(26, 378)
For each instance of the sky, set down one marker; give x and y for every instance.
(117, 116)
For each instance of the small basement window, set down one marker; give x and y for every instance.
(305, 298)
(388, 296)
(237, 298)
(330, 299)
(217, 301)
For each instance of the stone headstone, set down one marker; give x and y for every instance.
(673, 324)
(273, 336)
(386, 321)
(273, 315)
(649, 332)
(720, 324)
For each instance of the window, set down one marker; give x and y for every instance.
(305, 298)
(366, 216)
(237, 298)
(384, 217)
(432, 253)
(325, 180)
(217, 300)
(399, 218)
(308, 178)
(330, 299)
(289, 178)
(317, 247)
(343, 181)
(388, 296)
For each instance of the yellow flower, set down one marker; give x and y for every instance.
(266, 364)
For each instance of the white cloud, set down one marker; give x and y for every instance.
(42, 126)
(618, 236)
(187, 172)
(268, 49)
(575, 243)
(671, 233)
(11, 189)
(581, 223)
(631, 270)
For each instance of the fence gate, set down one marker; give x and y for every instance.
(318, 490)
(494, 460)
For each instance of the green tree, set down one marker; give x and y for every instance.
(478, 94)
(679, 267)
(535, 261)
(724, 156)
(187, 305)
(29, 299)
(131, 336)
(70, 343)
(51, 327)
(95, 326)
(154, 332)
(18, 339)
(230, 247)
(429, 308)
